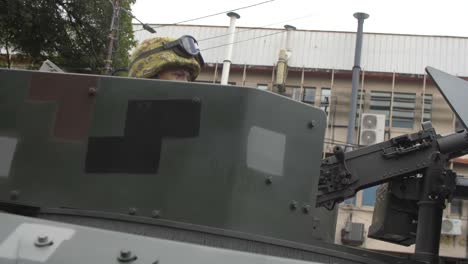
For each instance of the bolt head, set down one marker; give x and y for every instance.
(14, 195)
(311, 124)
(156, 214)
(132, 211)
(126, 256)
(293, 205)
(43, 241)
(42, 238)
(92, 91)
(306, 209)
(268, 180)
(125, 253)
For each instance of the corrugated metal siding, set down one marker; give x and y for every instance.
(328, 50)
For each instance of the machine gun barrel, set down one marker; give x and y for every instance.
(454, 145)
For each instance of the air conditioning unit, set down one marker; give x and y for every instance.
(451, 227)
(372, 129)
(352, 234)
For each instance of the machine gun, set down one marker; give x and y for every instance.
(415, 174)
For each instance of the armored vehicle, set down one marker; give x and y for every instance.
(100, 169)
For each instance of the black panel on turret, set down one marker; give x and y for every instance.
(147, 123)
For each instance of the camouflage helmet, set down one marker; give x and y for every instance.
(145, 64)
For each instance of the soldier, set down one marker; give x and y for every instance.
(167, 59)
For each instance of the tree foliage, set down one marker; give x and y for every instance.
(72, 33)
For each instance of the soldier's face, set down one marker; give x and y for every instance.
(175, 75)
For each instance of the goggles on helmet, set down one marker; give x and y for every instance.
(185, 46)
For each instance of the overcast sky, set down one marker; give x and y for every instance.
(429, 17)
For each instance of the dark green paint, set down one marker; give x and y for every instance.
(203, 180)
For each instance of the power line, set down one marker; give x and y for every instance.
(220, 13)
(250, 29)
(262, 36)
(218, 36)
(216, 14)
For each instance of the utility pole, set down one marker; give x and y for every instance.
(227, 61)
(355, 79)
(112, 36)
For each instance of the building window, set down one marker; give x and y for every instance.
(427, 107)
(368, 196)
(456, 207)
(296, 94)
(404, 105)
(380, 104)
(325, 99)
(309, 95)
(262, 86)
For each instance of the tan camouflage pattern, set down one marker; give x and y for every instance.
(151, 65)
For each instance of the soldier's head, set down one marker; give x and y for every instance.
(167, 58)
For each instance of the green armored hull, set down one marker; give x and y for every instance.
(223, 166)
